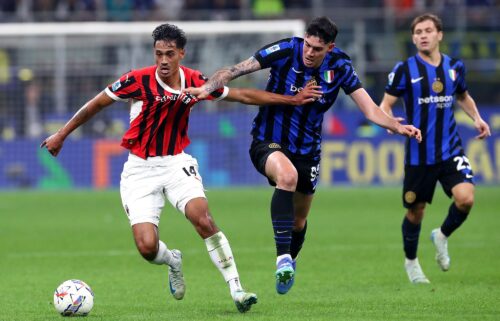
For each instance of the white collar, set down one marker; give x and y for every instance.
(167, 87)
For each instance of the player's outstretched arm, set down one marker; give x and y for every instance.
(386, 105)
(468, 104)
(259, 97)
(55, 142)
(224, 75)
(379, 117)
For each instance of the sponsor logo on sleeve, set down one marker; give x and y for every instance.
(116, 85)
(391, 78)
(272, 49)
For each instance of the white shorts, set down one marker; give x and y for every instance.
(146, 182)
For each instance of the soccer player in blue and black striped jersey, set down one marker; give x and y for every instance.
(286, 143)
(429, 83)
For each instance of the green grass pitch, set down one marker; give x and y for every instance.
(351, 266)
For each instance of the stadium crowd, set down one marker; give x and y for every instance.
(140, 10)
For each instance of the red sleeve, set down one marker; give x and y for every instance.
(126, 87)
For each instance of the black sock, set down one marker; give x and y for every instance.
(297, 241)
(411, 232)
(282, 218)
(453, 221)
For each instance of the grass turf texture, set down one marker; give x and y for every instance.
(351, 267)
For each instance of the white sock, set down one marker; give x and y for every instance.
(408, 261)
(234, 285)
(164, 255)
(222, 257)
(279, 258)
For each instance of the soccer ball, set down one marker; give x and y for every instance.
(73, 297)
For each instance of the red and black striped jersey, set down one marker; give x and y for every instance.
(159, 114)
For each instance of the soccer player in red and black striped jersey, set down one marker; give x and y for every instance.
(429, 83)
(157, 167)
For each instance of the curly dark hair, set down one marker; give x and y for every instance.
(323, 28)
(168, 32)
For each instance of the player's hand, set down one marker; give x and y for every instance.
(483, 128)
(399, 120)
(198, 92)
(409, 131)
(308, 94)
(53, 144)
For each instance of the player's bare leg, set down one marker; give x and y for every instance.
(219, 250)
(155, 251)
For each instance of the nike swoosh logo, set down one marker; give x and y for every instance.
(416, 80)
(297, 71)
(469, 176)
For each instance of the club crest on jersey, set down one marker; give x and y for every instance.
(453, 74)
(117, 84)
(328, 76)
(312, 82)
(437, 86)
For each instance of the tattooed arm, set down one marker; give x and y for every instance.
(55, 142)
(222, 76)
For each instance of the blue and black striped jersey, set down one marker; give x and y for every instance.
(428, 93)
(299, 128)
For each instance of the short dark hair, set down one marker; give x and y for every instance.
(168, 32)
(323, 28)
(427, 16)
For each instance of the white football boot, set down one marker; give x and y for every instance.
(440, 241)
(244, 300)
(415, 273)
(175, 276)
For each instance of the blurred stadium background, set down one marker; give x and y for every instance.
(57, 54)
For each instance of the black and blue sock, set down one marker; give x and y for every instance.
(411, 233)
(453, 221)
(282, 218)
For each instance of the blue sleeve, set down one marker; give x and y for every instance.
(350, 80)
(461, 84)
(275, 51)
(396, 82)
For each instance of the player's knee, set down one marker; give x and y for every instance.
(202, 221)
(147, 248)
(415, 214)
(287, 180)
(465, 202)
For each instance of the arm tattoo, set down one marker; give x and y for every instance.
(226, 74)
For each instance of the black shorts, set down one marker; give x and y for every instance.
(420, 181)
(307, 166)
